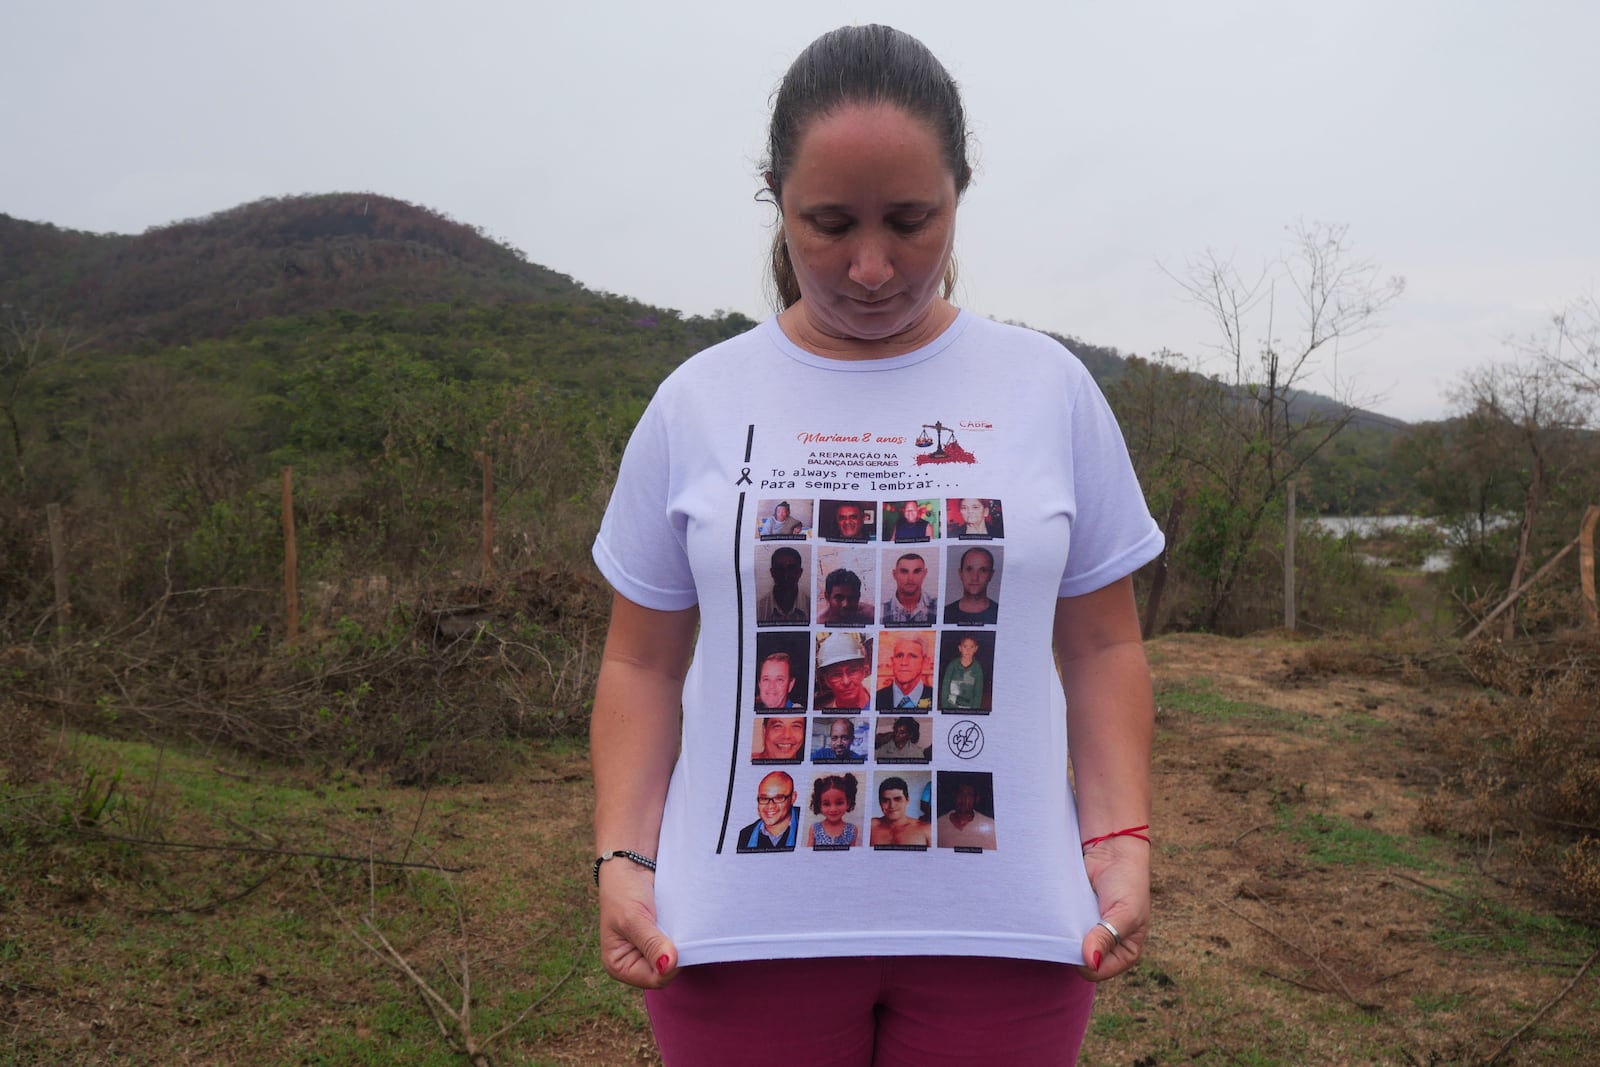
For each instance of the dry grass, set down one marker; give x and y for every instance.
(1323, 894)
(432, 684)
(213, 911)
(1319, 896)
(1525, 764)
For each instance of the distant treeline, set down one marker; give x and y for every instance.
(153, 385)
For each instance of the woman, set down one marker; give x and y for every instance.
(832, 797)
(867, 159)
(781, 523)
(912, 525)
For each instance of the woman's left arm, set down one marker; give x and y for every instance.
(1110, 723)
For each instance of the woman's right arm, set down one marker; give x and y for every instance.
(633, 743)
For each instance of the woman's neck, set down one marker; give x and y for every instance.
(798, 326)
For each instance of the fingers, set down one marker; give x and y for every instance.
(1107, 955)
(1104, 958)
(1096, 944)
(632, 947)
(640, 955)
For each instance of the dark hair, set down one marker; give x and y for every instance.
(846, 783)
(795, 552)
(952, 782)
(848, 579)
(989, 555)
(912, 726)
(893, 782)
(861, 65)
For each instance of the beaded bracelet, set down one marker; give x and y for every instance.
(1132, 831)
(626, 853)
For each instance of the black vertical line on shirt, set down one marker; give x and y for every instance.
(738, 608)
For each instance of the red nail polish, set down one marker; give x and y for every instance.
(1097, 959)
(661, 965)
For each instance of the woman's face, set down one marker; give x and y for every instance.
(833, 805)
(869, 215)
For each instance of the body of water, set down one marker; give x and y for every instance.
(1370, 525)
(1365, 526)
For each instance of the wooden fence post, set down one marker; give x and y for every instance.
(58, 566)
(1158, 583)
(1586, 564)
(488, 514)
(291, 561)
(1288, 563)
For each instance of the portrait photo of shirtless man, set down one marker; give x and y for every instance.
(895, 828)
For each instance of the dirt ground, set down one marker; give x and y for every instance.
(1302, 915)
(1268, 949)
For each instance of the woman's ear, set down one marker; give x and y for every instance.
(770, 193)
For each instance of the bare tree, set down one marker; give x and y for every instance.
(1462, 472)
(1572, 344)
(1164, 409)
(1330, 299)
(1275, 328)
(1533, 409)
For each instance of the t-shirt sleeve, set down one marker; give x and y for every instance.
(1113, 534)
(642, 549)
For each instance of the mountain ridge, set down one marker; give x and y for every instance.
(306, 255)
(278, 256)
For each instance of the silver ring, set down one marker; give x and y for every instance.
(1112, 930)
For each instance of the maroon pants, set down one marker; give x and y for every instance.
(884, 1011)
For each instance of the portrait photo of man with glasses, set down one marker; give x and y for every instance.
(778, 825)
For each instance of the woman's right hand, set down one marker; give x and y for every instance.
(633, 741)
(632, 947)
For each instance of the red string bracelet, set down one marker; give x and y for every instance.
(1132, 831)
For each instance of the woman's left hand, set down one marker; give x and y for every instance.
(1119, 872)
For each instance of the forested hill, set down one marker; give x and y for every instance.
(314, 274)
(303, 257)
(280, 257)
(155, 383)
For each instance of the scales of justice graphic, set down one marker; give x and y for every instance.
(944, 451)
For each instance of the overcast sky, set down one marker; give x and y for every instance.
(618, 142)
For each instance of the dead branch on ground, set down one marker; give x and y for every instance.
(198, 846)
(1341, 988)
(1506, 1045)
(455, 1023)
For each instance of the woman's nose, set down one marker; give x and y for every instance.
(869, 265)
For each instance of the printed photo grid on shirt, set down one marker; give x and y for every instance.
(877, 622)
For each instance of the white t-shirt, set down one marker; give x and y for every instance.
(986, 411)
